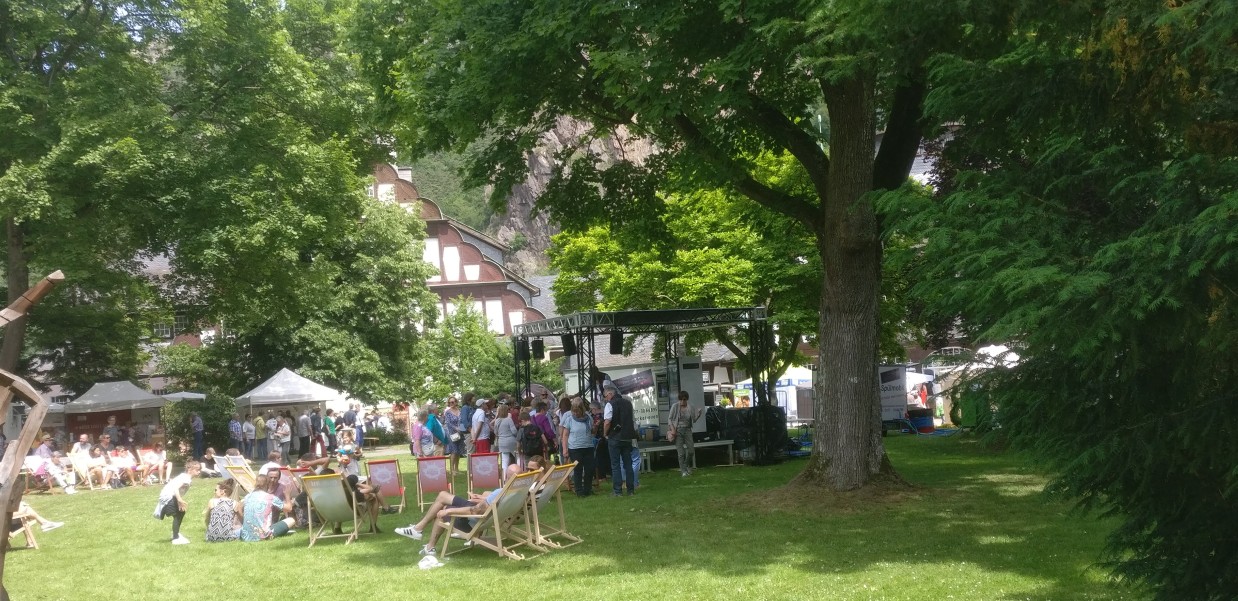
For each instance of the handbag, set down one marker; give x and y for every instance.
(455, 437)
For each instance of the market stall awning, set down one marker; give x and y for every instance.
(287, 387)
(114, 396)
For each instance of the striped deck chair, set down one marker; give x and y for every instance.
(485, 472)
(493, 527)
(329, 504)
(432, 479)
(244, 480)
(546, 511)
(385, 475)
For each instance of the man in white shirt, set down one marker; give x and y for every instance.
(481, 428)
(303, 432)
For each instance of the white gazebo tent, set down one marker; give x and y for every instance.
(114, 396)
(287, 388)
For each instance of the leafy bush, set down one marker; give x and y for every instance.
(215, 410)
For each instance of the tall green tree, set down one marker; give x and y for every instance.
(460, 354)
(714, 85)
(711, 249)
(1090, 218)
(234, 139)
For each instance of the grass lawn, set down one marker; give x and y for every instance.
(974, 527)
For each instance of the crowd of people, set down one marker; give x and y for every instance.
(528, 434)
(105, 463)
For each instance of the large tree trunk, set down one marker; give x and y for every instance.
(847, 447)
(18, 281)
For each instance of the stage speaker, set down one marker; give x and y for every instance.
(616, 342)
(569, 344)
(539, 349)
(522, 349)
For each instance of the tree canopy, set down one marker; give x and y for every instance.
(715, 86)
(231, 139)
(1087, 214)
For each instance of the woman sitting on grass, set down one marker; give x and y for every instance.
(258, 511)
(222, 523)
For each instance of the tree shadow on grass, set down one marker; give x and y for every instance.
(973, 520)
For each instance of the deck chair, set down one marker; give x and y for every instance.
(223, 461)
(485, 472)
(385, 474)
(290, 479)
(26, 528)
(493, 528)
(245, 480)
(82, 468)
(329, 504)
(546, 510)
(432, 478)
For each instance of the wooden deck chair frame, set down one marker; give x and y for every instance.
(386, 475)
(245, 480)
(83, 470)
(485, 472)
(545, 526)
(432, 478)
(327, 496)
(494, 526)
(290, 480)
(28, 530)
(223, 461)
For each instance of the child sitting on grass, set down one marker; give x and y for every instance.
(172, 500)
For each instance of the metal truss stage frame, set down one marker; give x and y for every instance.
(579, 330)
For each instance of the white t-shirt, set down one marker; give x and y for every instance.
(479, 418)
(182, 480)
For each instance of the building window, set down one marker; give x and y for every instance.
(163, 329)
(430, 255)
(451, 263)
(494, 315)
(182, 324)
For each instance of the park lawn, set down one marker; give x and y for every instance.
(975, 526)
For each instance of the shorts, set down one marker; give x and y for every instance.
(483, 446)
(461, 524)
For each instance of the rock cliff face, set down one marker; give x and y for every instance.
(529, 234)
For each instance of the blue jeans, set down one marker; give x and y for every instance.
(199, 444)
(621, 460)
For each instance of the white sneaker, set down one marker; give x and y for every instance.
(180, 540)
(428, 550)
(52, 526)
(410, 532)
(68, 490)
(455, 534)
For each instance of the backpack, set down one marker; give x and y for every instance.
(530, 441)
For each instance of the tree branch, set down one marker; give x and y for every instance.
(903, 134)
(781, 202)
(775, 124)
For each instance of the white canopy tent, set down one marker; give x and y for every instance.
(181, 396)
(288, 388)
(114, 396)
(794, 376)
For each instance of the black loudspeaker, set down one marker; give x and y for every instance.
(522, 349)
(616, 342)
(569, 344)
(539, 349)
